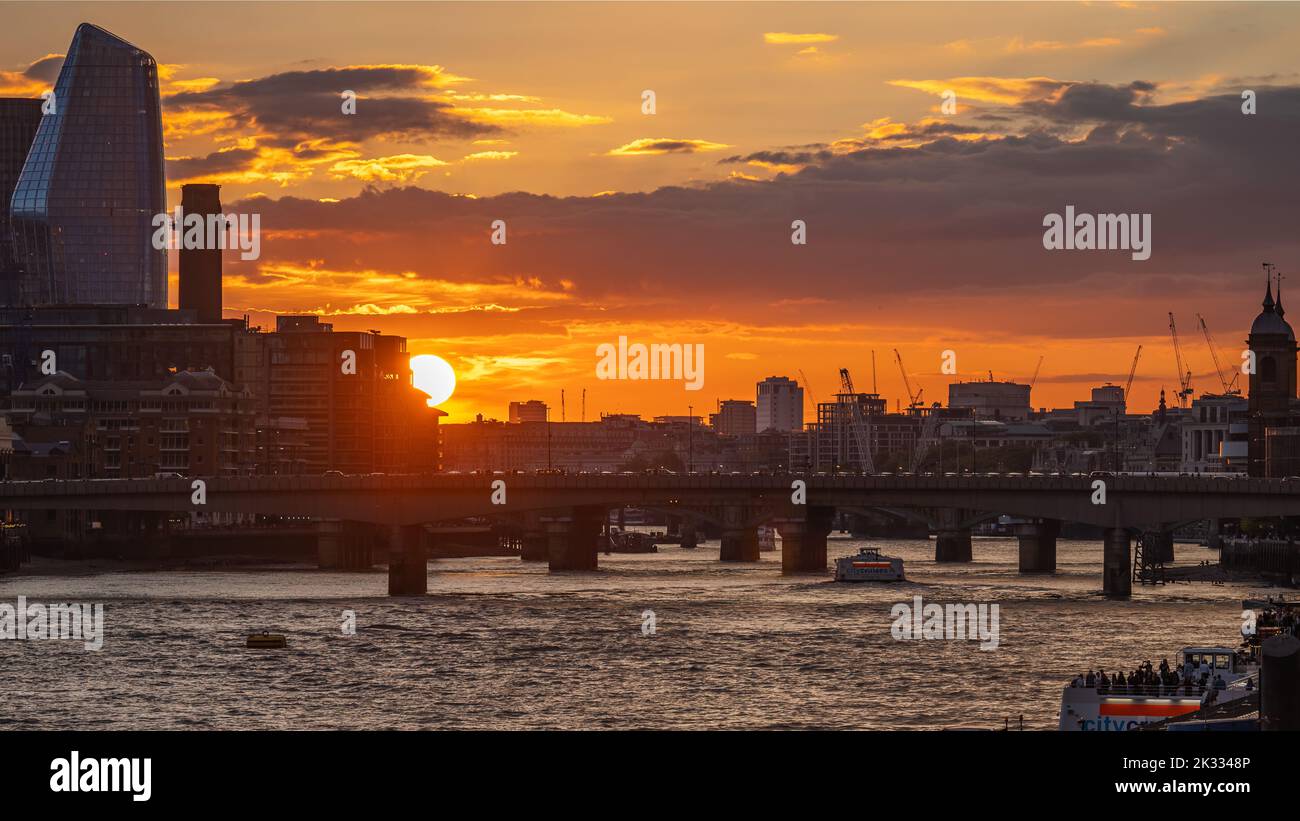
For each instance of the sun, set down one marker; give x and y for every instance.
(435, 377)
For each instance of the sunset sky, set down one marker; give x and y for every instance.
(924, 227)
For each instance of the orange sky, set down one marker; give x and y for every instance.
(924, 224)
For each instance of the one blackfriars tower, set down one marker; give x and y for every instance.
(93, 181)
(19, 119)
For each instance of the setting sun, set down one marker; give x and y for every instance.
(435, 377)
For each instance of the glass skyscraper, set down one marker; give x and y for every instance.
(83, 207)
(19, 119)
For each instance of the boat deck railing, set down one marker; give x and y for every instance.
(1167, 690)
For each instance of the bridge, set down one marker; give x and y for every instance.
(563, 514)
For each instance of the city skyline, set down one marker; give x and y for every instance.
(384, 222)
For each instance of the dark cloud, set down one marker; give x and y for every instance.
(947, 218)
(781, 157)
(45, 69)
(218, 162)
(301, 105)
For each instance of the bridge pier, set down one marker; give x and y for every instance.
(1038, 545)
(739, 542)
(533, 546)
(803, 541)
(329, 544)
(690, 536)
(1214, 534)
(572, 538)
(952, 545)
(1117, 572)
(739, 545)
(342, 545)
(408, 561)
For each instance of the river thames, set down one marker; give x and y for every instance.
(502, 644)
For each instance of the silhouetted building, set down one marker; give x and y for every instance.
(1211, 433)
(1272, 399)
(19, 119)
(735, 417)
(1107, 402)
(856, 423)
(192, 423)
(991, 400)
(534, 410)
(102, 342)
(93, 181)
(200, 268)
(353, 388)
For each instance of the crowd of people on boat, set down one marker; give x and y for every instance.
(1286, 620)
(1194, 679)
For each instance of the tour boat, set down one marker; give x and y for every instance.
(1128, 707)
(630, 541)
(869, 566)
(1125, 707)
(766, 538)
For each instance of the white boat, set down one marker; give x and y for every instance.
(869, 566)
(766, 538)
(1217, 674)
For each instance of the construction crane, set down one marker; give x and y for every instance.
(806, 384)
(1034, 378)
(861, 432)
(913, 399)
(1229, 385)
(1184, 374)
(1128, 386)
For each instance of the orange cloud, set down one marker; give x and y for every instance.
(490, 155)
(397, 168)
(781, 38)
(1000, 90)
(651, 146)
(531, 117)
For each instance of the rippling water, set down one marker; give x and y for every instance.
(502, 644)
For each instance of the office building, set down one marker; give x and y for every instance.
(83, 206)
(19, 119)
(780, 404)
(1007, 401)
(533, 410)
(353, 388)
(735, 417)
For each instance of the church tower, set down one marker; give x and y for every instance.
(1273, 384)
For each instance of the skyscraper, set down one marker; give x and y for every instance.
(19, 119)
(93, 181)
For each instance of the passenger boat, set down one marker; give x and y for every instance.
(1125, 707)
(1217, 675)
(267, 641)
(631, 541)
(766, 538)
(869, 566)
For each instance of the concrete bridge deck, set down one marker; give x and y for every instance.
(567, 507)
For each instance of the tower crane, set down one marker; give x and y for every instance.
(861, 432)
(811, 398)
(913, 399)
(1229, 385)
(1184, 375)
(1128, 386)
(1034, 378)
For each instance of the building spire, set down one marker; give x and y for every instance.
(1268, 287)
(1280, 311)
